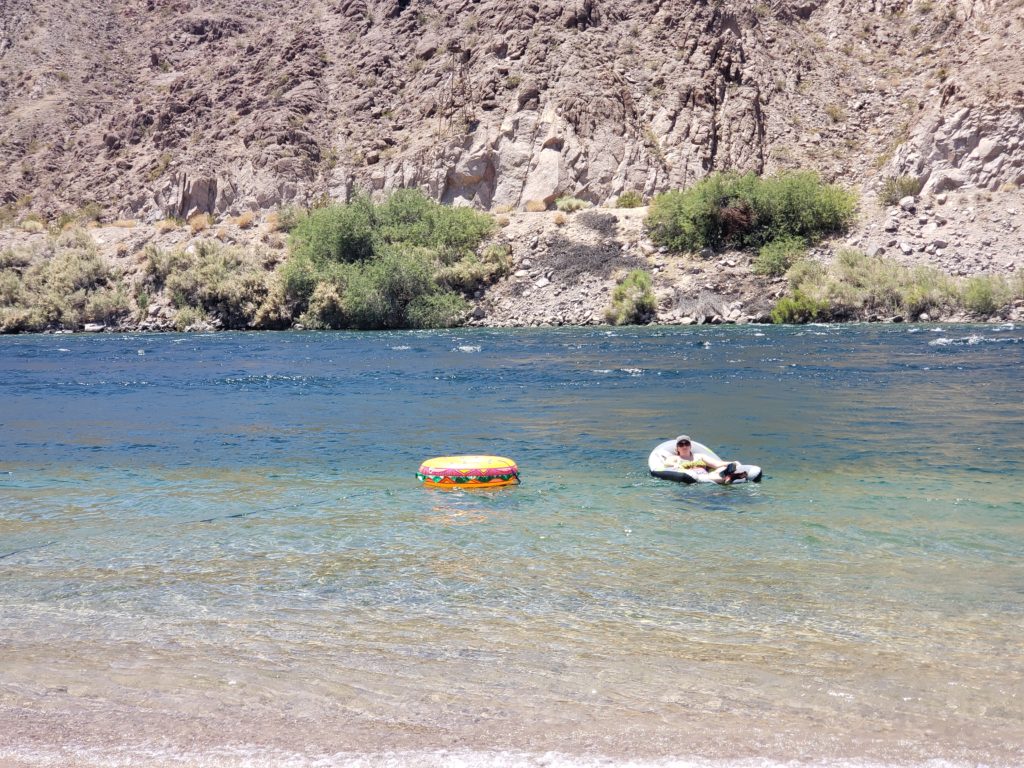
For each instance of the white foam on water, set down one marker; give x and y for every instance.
(401, 347)
(963, 340)
(468, 348)
(255, 757)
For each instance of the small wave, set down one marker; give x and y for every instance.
(468, 348)
(401, 347)
(262, 379)
(633, 371)
(104, 383)
(972, 340)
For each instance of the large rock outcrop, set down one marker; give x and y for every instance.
(156, 108)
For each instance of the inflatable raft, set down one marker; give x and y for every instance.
(661, 462)
(468, 472)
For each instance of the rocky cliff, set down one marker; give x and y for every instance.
(156, 108)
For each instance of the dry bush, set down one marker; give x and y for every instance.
(124, 223)
(629, 199)
(245, 220)
(835, 113)
(200, 222)
(285, 218)
(224, 281)
(571, 204)
(560, 219)
(62, 283)
(536, 206)
(167, 225)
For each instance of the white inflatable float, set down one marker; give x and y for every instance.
(662, 460)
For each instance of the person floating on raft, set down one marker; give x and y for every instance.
(716, 470)
(684, 461)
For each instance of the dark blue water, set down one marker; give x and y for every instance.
(220, 539)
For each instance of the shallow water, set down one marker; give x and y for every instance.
(213, 549)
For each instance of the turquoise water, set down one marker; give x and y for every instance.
(213, 550)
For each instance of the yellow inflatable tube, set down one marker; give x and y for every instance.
(468, 472)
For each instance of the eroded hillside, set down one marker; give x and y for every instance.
(156, 108)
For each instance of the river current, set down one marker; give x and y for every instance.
(214, 550)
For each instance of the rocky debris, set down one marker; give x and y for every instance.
(564, 274)
(962, 233)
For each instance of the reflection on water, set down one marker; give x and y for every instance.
(221, 542)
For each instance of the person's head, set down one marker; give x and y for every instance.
(683, 444)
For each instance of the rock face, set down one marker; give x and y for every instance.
(972, 147)
(156, 108)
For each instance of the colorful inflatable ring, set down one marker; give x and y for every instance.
(468, 472)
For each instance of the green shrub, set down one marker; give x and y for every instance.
(799, 308)
(357, 230)
(571, 204)
(857, 285)
(335, 233)
(779, 255)
(985, 294)
(473, 271)
(895, 188)
(326, 308)
(287, 217)
(187, 317)
(632, 300)
(388, 265)
(629, 199)
(726, 209)
(12, 289)
(436, 310)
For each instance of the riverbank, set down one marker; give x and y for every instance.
(563, 267)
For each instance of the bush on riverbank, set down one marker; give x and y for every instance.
(633, 300)
(857, 286)
(774, 258)
(402, 263)
(63, 283)
(227, 282)
(730, 210)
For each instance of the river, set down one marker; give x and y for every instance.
(214, 550)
